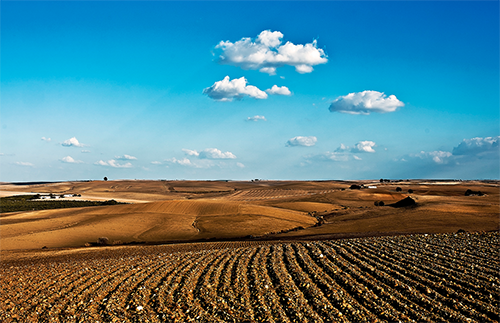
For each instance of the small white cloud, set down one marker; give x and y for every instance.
(72, 142)
(190, 152)
(227, 90)
(256, 118)
(209, 153)
(477, 146)
(266, 53)
(183, 162)
(302, 141)
(356, 157)
(85, 151)
(156, 162)
(438, 156)
(113, 163)
(276, 90)
(365, 102)
(335, 156)
(46, 139)
(126, 157)
(240, 165)
(361, 147)
(24, 164)
(70, 160)
(214, 153)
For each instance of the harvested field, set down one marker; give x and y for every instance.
(182, 220)
(263, 194)
(424, 278)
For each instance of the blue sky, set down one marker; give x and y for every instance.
(241, 90)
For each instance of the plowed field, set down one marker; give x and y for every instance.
(424, 278)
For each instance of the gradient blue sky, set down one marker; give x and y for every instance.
(127, 81)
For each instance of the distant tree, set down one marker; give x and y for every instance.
(355, 187)
(381, 180)
(410, 191)
(398, 189)
(105, 178)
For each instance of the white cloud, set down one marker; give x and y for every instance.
(331, 156)
(267, 53)
(468, 151)
(227, 90)
(256, 118)
(85, 151)
(240, 165)
(209, 153)
(72, 142)
(214, 153)
(46, 139)
(183, 162)
(190, 152)
(70, 160)
(365, 102)
(113, 163)
(361, 147)
(276, 90)
(156, 162)
(439, 157)
(126, 157)
(25, 164)
(477, 146)
(302, 141)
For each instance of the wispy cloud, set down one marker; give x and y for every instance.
(330, 156)
(266, 53)
(156, 162)
(46, 139)
(302, 141)
(256, 118)
(210, 153)
(70, 160)
(438, 156)
(113, 163)
(227, 90)
(126, 157)
(27, 164)
(365, 102)
(183, 161)
(72, 142)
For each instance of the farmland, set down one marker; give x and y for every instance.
(424, 278)
(266, 251)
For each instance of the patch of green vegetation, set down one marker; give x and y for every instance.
(31, 203)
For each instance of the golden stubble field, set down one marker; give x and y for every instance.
(266, 251)
(175, 211)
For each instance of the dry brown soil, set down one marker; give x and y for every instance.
(175, 211)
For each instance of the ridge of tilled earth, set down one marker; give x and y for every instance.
(423, 278)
